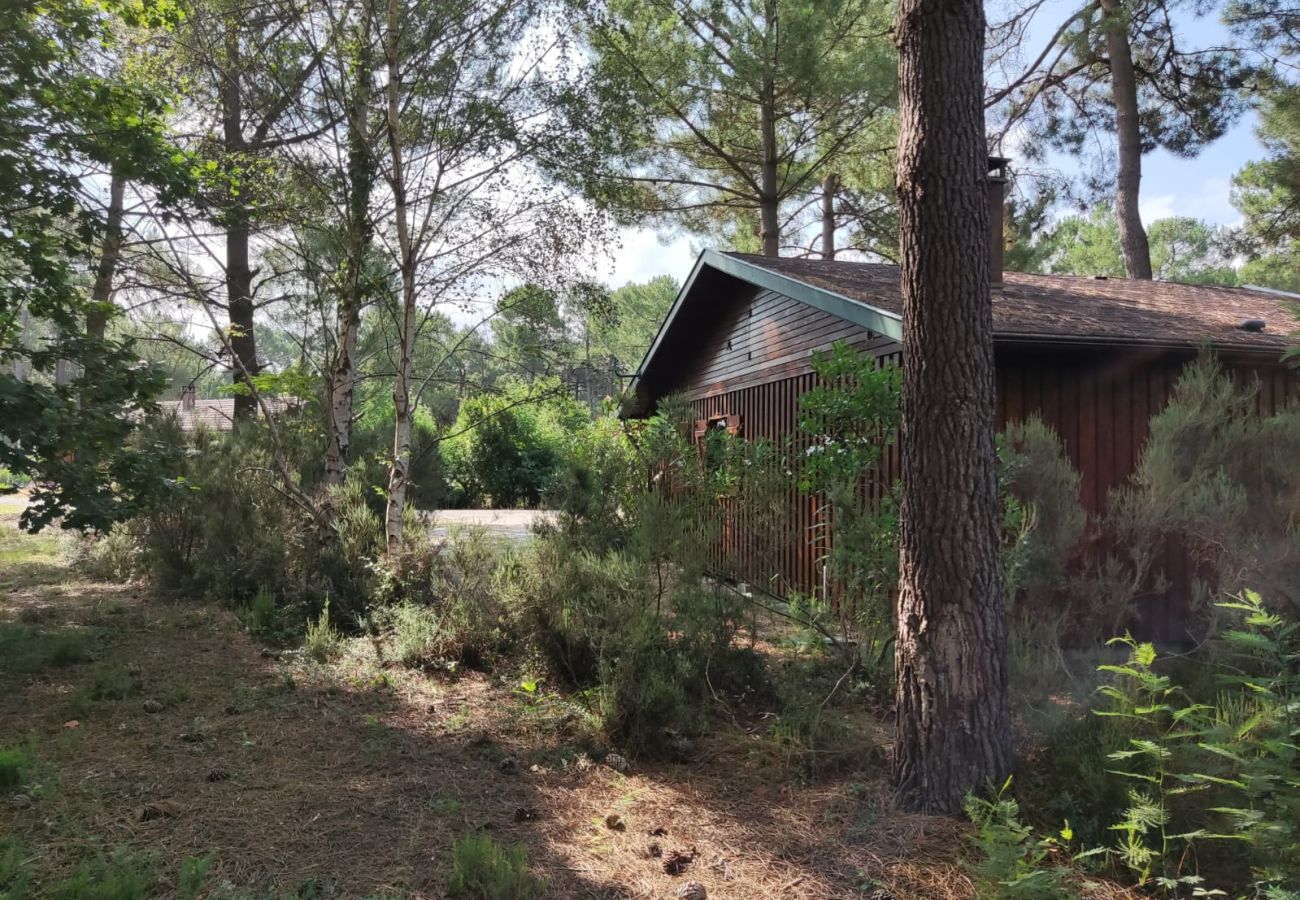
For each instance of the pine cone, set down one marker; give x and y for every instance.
(692, 890)
(677, 859)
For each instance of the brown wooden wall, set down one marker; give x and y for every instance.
(757, 364)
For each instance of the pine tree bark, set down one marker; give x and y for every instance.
(399, 466)
(239, 276)
(953, 722)
(342, 371)
(828, 217)
(1128, 130)
(768, 201)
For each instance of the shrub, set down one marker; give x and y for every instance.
(15, 761)
(15, 877)
(441, 601)
(322, 642)
(229, 532)
(1224, 481)
(1013, 862)
(1037, 473)
(506, 447)
(1198, 783)
(481, 870)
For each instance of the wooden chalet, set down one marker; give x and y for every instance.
(1095, 358)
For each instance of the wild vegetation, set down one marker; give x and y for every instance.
(361, 240)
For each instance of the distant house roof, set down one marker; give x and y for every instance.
(215, 415)
(1048, 309)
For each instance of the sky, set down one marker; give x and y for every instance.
(1171, 186)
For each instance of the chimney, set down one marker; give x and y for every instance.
(997, 195)
(187, 397)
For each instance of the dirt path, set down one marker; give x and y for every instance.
(162, 732)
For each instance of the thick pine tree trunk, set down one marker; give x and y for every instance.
(239, 276)
(953, 723)
(399, 467)
(342, 372)
(1123, 81)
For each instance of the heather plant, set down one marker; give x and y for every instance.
(1221, 479)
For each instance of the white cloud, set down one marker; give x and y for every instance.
(1161, 207)
(641, 255)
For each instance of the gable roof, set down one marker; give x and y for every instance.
(1042, 309)
(1069, 308)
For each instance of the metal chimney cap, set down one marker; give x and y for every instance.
(1254, 326)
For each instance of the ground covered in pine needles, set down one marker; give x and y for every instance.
(163, 735)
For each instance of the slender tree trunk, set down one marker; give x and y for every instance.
(110, 253)
(239, 277)
(768, 205)
(399, 469)
(361, 177)
(1132, 235)
(768, 202)
(953, 722)
(828, 217)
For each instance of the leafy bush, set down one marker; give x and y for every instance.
(505, 448)
(1199, 783)
(482, 870)
(121, 876)
(442, 601)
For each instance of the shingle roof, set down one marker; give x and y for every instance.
(217, 415)
(1071, 308)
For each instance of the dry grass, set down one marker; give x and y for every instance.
(352, 779)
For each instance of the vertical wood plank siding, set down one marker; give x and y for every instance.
(757, 363)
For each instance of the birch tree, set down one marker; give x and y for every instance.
(473, 93)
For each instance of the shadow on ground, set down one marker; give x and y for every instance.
(169, 731)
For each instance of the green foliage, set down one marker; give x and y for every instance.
(1182, 249)
(1045, 515)
(121, 876)
(322, 641)
(442, 602)
(482, 870)
(1207, 772)
(193, 875)
(228, 532)
(67, 117)
(262, 617)
(28, 650)
(15, 878)
(850, 419)
(1013, 863)
(651, 145)
(505, 448)
(638, 311)
(1221, 477)
(15, 761)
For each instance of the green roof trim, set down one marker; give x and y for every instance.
(869, 317)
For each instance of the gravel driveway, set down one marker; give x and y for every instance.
(511, 524)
